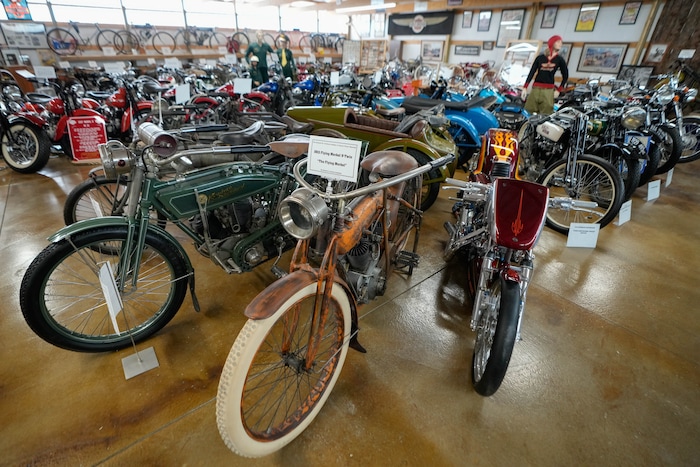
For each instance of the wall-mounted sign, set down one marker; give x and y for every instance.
(411, 24)
(17, 9)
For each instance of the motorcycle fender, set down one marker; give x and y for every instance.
(626, 153)
(26, 118)
(519, 211)
(258, 95)
(266, 303)
(109, 221)
(469, 127)
(437, 175)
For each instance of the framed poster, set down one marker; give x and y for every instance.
(488, 45)
(656, 52)
(431, 51)
(630, 12)
(602, 58)
(484, 21)
(636, 75)
(587, 16)
(549, 16)
(467, 19)
(17, 9)
(467, 50)
(510, 26)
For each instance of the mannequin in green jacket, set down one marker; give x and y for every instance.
(260, 50)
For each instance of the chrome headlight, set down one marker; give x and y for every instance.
(633, 117)
(116, 159)
(664, 95)
(78, 90)
(12, 92)
(691, 94)
(302, 213)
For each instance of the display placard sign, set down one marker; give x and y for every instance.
(582, 235)
(45, 72)
(24, 35)
(85, 134)
(334, 158)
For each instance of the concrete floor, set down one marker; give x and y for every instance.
(607, 373)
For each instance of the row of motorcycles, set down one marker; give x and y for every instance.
(114, 276)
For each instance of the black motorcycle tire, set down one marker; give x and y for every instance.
(611, 181)
(671, 147)
(629, 169)
(652, 163)
(495, 339)
(691, 143)
(84, 323)
(35, 148)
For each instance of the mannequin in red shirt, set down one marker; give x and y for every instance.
(544, 91)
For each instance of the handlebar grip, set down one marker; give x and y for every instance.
(444, 160)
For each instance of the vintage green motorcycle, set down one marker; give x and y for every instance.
(105, 282)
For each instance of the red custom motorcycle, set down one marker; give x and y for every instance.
(498, 222)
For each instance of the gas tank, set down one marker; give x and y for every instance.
(56, 106)
(270, 87)
(118, 99)
(88, 103)
(306, 85)
(227, 88)
(216, 186)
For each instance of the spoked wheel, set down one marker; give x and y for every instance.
(163, 43)
(269, 392)
(495, 335)
(650, 165)
(106, 38)
(25, 149)
(594, 179)
(62, 296)
(62, 41)
(97, 196)
(217, 40)
(238, 42)
(690, 138)
(127, 42)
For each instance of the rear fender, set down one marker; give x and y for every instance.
(265, 304)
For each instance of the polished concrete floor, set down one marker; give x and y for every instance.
(607, 373)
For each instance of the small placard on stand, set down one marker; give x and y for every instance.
(334, 158)
(669, 177)
(653, 189)
(625, 213)
(582, 235)
(139, 363)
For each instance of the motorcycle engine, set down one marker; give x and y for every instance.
(112, 122)
(232, 224)
(362, 270)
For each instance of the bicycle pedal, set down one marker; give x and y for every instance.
(407, 259)
(278, 272)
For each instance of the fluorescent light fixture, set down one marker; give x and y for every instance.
(302, 4)
(352, 9)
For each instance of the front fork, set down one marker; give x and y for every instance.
(491, 265)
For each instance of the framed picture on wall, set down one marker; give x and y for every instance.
(587, 16)
(602, 58)
(656, 52)
(510, 26)
(549, 16)
(467, 19)
(488, 45)
(630, 12)
(467, 50)
(484, 21)
(431, 51)
(636, 75)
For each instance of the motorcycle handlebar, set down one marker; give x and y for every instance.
(372, 187)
